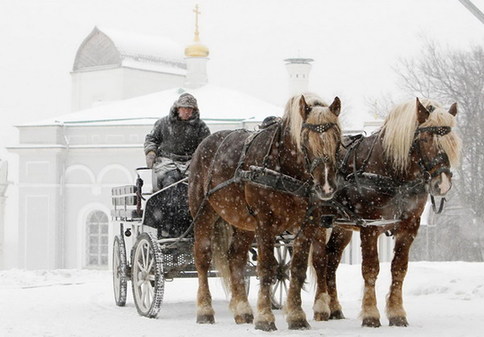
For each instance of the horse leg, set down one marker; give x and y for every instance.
(321, 306)
(338, 241)
(266, 270)
(370, 268)
(403, 240)
(295, 316)
(237, 256)
(203, 256)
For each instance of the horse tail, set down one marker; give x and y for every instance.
(222, 236)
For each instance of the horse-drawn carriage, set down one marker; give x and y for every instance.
(155, 244)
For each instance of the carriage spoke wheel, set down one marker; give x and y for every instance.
(282, 253)
(148, 280)
(120, 267)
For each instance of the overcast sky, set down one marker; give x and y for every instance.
(355, 44)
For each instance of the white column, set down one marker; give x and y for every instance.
(196, 72)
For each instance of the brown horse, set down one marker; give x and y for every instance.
(262, 183)
(389, 175)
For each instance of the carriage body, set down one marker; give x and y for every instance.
(154, 242)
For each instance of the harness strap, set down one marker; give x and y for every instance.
(212, 164)
(274, 135)
(386, 185)
(237, 175)
(272, 179)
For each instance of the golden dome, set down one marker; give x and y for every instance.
(196, 49)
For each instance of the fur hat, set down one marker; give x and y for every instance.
(186, 100)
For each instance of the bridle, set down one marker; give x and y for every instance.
(311, 165)
(428, 166)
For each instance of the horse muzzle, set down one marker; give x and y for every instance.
(325, 192)
(440, 185)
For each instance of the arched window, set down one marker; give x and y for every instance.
(97, 239)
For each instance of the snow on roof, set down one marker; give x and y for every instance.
(130, 50)
(216, 104)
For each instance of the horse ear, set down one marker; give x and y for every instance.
(335, 107)
(303, 107)
(453, 109)
(422, 113)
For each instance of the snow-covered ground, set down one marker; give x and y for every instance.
(441, 299)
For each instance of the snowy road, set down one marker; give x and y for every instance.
(442, 299)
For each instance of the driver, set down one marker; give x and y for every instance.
(174, 138)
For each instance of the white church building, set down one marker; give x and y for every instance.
(121, 84)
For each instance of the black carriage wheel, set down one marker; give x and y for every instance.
(282, 253)
(120, 266)
(148, 280)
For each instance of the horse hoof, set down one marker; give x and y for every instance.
(371, 322)
(299, 325)
(398, 321)
(243, 319)
(338, 314)
(266, 326)
(205, 319)
(321, 316)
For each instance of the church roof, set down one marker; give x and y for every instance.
(215, 104)
(111, 48)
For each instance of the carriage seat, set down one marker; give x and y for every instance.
(125, 201)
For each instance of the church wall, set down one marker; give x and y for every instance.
(47, 134)
(40, 209)
(95, 87)
(108, 135)
(90, 176)
(139, 82)
(91, 88)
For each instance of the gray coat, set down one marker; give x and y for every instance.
(174, 138)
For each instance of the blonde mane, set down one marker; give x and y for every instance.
(324, 144)
(399, 132)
